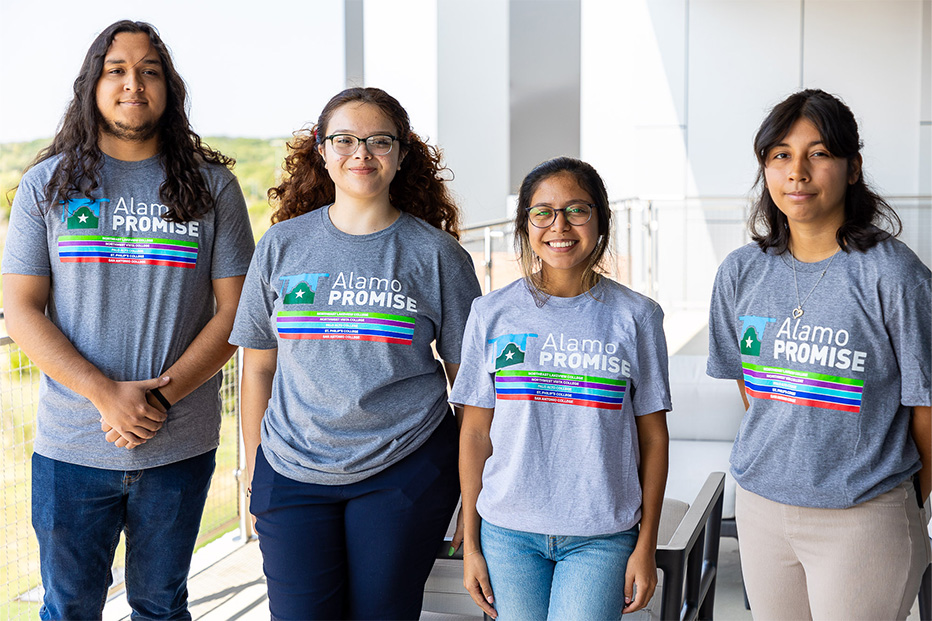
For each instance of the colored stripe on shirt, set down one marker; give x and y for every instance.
(127, 250)
(803, 388)
(379, 327)
(565, 388)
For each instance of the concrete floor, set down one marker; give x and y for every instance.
(227, 584)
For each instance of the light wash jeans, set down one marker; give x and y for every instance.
(538, 577)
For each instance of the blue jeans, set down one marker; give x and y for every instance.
(78, 514)
(537, 577)
(361, 550)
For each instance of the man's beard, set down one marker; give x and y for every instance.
(137, 133)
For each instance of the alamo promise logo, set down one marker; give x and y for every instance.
(752, 333)
(300, 288)
(510, 349)
(82, 213)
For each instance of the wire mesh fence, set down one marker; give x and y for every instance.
(20, 583)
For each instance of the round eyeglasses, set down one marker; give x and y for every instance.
(376, 144)
(577, 214)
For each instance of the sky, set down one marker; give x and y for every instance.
(254, 69)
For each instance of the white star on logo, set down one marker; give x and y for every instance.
(82, 218)
(299, 294)
(747, 343)
(510, 355)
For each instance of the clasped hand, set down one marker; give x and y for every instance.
(127, 416)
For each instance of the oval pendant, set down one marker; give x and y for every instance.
(797, 312)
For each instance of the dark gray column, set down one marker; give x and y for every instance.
(353, 42)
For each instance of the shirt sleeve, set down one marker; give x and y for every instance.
(458, 289)
(233, 241)
(652, 391)
(910, 330)
(27, 243)
(724, 355)
(253, 325)
(475, 383)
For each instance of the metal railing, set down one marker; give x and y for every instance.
(667, 249)
(670, 249)
(20, 583)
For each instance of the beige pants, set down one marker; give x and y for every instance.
(864, 562)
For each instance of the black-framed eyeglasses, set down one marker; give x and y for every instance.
(376, 144)
(577, 214)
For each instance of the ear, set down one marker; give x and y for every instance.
(320, 150)
(854, 169)
(401, 157)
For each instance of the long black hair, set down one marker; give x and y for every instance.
(868, 217)
(181, 151)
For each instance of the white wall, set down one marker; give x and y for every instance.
(672, 92)
(400, 40)
(682, 85)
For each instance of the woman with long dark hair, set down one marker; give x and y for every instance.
(350, 442)
(825, 323)
(563, 450)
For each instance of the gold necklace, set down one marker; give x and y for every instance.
(798, 311)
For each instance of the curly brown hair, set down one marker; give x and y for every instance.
(419, 187)
(181, 151)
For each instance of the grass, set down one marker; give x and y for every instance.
(19, 554)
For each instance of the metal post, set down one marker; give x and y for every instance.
(487, 250)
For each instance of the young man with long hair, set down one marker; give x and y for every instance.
(128, 244)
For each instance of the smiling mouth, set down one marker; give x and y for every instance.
(562, 243)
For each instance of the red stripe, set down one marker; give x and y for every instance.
(798, 401)
(345, 337)
(562, 401)
(126, 261)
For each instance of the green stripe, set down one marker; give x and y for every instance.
(128, 240)
(804, 374)
(359, 315)
(564, 376)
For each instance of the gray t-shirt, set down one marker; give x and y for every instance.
(354, 317)
(565, 381)
(830, 392)
(130, 291)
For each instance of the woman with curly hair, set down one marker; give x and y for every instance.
(350, 442)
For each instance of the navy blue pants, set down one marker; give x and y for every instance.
(357, 551)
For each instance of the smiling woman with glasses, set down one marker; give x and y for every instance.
(350, 442)
(561, 518)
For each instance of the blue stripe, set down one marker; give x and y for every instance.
(336, 332)
(316, 326)
(128, 255)
(562, 387)
(801, 394)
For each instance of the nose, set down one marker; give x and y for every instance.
(132, 82)
(362, 145)
(560, 223)
(799, 170)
